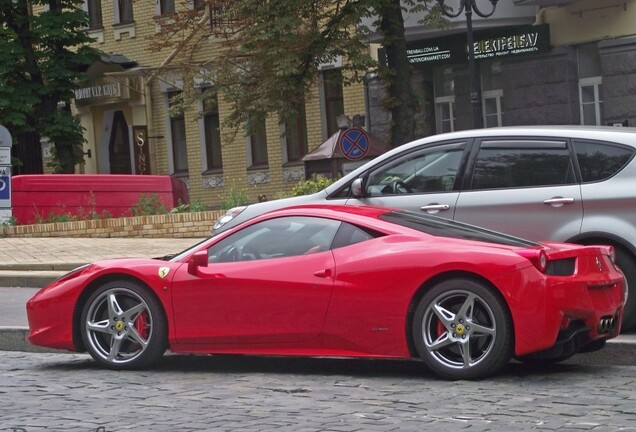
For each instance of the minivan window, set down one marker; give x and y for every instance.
(430, 170)
(600, 161)
(514, 164)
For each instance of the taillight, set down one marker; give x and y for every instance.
(537, 257)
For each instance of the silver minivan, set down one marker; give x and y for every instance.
(565, 183)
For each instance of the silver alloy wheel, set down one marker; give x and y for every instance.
(458, 328)
(119, 326)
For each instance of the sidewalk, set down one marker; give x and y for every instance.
(28, 264)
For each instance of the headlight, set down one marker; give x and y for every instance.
(228, 216)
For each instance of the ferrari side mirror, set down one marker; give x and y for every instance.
(198, 259)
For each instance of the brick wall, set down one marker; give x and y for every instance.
(185, 225)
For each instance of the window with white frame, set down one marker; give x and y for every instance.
(590, 99)
(257, 144)
(94, 9)
(295, 137)
(123, 11)
(445, 113)
(444, 87)
(333, 97)
(177, 133)
(211, 132)
(491, 107)
(492, 94)
(588, 62)
(166, 7)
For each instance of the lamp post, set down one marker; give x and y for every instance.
(468, 6)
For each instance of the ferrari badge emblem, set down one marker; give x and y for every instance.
(163, 272)
(459, 329)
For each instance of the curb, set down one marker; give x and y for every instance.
(31, 279)
(34, 275)
(15, 339)
(40, 266)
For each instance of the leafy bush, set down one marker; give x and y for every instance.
(11, 221)
(148, 204)
(235, 197)
(311, 185)
(194, 206)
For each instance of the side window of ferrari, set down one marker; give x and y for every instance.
(276, 238)
(430, 170)
(350, 234)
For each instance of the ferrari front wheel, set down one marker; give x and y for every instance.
(123, 326)
(462, 330)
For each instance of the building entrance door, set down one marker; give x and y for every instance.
(119, 146)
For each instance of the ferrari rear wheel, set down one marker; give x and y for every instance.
(462, 330)
(123, 326)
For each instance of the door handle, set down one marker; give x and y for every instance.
(558, 201)
(434, 208)
(326, 273)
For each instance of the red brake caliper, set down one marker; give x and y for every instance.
(141, 324)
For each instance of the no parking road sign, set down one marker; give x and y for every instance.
(354, 143)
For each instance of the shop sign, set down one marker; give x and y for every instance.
(101, 91)
(142, 153)
(488, 44)
(108, 90)
(524, 42)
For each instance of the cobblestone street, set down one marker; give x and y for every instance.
(63, 392)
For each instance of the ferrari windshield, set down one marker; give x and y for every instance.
(440, 227)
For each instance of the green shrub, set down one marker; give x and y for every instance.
(148, 204)
(235, 197)
(194, 206)
(311, 185)
(11, 221)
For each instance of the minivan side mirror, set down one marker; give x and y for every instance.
(357, 187)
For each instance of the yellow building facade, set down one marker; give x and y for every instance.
(124, 107)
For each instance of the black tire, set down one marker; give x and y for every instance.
(123, 326)
(627, 264)
(462, 330)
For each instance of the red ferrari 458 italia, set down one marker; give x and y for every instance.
(342, 281)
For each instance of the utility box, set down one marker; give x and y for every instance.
(5, 175)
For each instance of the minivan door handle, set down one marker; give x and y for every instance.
(434, 208)
(558, 201)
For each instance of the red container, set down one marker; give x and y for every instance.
(35, 198)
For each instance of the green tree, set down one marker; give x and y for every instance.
(273, 48)
(42, 57)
